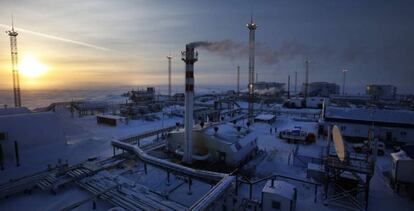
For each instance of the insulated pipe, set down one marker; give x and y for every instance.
(209, 175)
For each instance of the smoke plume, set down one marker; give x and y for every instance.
(286, 51)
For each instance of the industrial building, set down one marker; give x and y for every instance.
(222, 143)
(381, 92)
(321, 89)
(390, 126)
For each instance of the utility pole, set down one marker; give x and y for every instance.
(343, 80)
(289, 87)
(169, 57)
(238, 80)
(306, 79)
(296, 81)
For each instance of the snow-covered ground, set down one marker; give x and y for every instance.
(85, 138)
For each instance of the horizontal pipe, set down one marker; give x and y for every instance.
(215, 176)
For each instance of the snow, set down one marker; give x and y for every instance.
(280, 188)
(85, 138)
(265, 117)
(401, 155)
(18, 110)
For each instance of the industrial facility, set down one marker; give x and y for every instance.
(259, 146)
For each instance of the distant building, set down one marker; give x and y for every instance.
(355, 123)
(381, 92)
(142, 95)
(321, 89)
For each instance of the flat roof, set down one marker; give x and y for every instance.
(400, 118)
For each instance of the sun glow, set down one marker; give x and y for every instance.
(31, 67)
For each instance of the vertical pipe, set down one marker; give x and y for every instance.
(190, 182)
(257, 77)
(1, 158)
(250, 190)
(16, 151)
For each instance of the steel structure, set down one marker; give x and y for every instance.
(252, 29)
(169, 57)
(14, 60)
(347, 182)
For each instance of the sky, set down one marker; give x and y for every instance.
(105, 43)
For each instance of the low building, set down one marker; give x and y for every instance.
(321, 89)
(316, 102)
(279, 195)
(220, 143)
(111, 120)
(403, 165)
(355, 123)
(381, 92)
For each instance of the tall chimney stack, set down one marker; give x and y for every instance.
(189, 56)
(252, 29)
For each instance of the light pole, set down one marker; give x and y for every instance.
(343, 80)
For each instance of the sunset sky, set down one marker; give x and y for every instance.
(107, 43)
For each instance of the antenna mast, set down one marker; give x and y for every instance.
(14, 60)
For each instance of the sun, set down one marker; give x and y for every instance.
(31, 67)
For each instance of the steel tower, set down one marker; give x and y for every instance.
(14, 59)
(252, 29)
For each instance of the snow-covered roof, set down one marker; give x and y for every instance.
(369, 115)
(401, 155)
(265, 117)
(10, 111)
(280, 188)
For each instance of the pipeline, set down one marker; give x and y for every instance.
(213, 194)
(195, 157)
(209, 175)
(225, 180)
